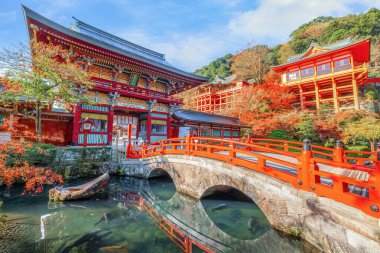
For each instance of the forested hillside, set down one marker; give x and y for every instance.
(220, 67)
(322, 30)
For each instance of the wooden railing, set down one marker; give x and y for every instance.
(123, 87)
(301, 161)
(334, 154)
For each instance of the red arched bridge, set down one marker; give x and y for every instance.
(349, 177)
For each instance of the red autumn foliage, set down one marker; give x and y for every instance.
(263, 126)
(264, 100)
(21, 171)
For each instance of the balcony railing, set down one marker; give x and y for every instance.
(307, 75)
(343, 67)
(323, 72)
(318, 74)
(132, 90)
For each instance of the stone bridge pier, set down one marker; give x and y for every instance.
(328, 225)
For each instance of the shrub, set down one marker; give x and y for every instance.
(280, 134)
(39, 154)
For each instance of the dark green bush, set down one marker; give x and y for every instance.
(39, 154)
(280, 134)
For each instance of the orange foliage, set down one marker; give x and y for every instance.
(263, 126)
(264, 100)
(21, 171)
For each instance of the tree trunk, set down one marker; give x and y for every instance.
(38, 123)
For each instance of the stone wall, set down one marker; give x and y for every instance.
(74, 162)
(328, 225)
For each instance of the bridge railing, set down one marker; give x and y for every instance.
(333, 154)
(352, 184)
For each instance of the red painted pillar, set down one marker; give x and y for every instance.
(338, 152)
(110, 126)
(303, 177)
(129, 135)
(76, 124)
(148, 127)
(169, 130)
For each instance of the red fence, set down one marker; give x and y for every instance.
(304, 174)
(337, 154)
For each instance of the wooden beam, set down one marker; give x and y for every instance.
(316, 94)
(355, 92)
(301, 98)
(335, 96)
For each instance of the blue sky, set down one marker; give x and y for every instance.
(190, 33)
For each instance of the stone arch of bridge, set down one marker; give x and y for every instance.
(327, 224)
(197, 180)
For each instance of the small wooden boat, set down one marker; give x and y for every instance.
(81, 191)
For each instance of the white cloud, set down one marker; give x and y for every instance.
(270, 22)
(273, 20)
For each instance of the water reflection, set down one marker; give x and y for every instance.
(138, 216)
(234, 213)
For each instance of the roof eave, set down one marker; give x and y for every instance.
(285, 65)
(28, 13)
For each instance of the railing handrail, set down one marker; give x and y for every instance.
(317, 149)
(129, 88)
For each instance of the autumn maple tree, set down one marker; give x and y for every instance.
(38, 76)
(263, 100)
(18, 170)
(251, 63)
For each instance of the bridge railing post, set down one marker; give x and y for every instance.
(303, 175)
(189, 144)
(143, 149)
(249, 141)
(231, 152)
(338, 152)
(374, 181)
(162, 147)
(286, 146)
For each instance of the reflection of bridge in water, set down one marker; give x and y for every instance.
(186, 223)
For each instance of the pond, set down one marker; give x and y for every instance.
(136, 215)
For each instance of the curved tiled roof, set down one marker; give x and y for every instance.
(110, 42)
(203, 117)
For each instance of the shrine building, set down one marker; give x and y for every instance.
(132, 85)
(330, 74)
(221, 96)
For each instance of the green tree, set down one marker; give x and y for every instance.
(40, 75)
(306, 129)
(220, 67)
(367, 128)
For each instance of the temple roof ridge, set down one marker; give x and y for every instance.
(99, 34)
(153, 58)
(332, 46)
(225, 80)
